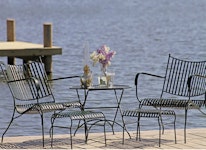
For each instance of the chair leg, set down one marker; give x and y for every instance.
(162, 124)
(77, 127)
(159, 120)
(105, 138)
(52, 136)
(86, 131)
(52, 131)
(175, 130)
(185, 125)
(70, 130)
(2, 137)
(138, 136)
(123, 131)
(42, 126)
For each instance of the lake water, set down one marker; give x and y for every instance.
(142, 33)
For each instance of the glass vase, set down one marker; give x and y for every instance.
(104, 70)
(102, 78)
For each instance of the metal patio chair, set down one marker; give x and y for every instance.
(31, 91)
(175, 93)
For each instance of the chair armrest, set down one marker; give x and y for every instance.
(61, 78)
(144, 73)
(136, 81)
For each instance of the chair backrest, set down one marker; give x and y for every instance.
(28, 81)
(177, 73)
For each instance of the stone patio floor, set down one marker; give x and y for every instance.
(196, 139)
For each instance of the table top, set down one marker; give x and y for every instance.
(98, 87)
(18, 48)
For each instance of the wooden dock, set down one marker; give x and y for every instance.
(195, 140)
(29, 51)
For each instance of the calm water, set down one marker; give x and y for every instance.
(142, 33)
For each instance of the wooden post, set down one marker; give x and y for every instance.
(48, 43)
(11, 36)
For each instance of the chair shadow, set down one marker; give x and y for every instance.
(136, 144)
(78, 142)
(58, 143)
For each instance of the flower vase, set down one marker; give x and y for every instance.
(102, 78)
(106, 77)
(104, 70)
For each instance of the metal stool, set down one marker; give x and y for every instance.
(150, 113)
(89, 119)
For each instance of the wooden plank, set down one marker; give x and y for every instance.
(18, 48)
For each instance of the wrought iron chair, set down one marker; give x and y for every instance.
(31, 91)
(175, 92)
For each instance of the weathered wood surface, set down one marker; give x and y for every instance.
(18, 49)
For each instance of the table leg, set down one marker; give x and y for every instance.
(82, 109)
(119, 109)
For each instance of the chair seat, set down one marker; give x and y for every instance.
(44, 107)
(79, 115)
(153, 113)
(177, 103)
